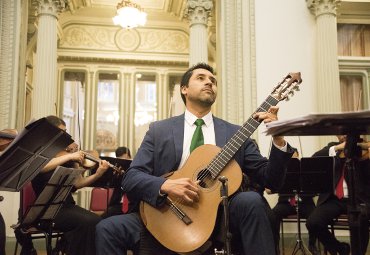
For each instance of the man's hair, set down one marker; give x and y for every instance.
(56, 121)
(186, 77)
(122, 150)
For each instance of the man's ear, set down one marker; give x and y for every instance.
(183, 90)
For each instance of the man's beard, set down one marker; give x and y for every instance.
(206, 102)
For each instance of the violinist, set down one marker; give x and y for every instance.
(331, 205)
(78, 224)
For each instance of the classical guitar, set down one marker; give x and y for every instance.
(184, 228)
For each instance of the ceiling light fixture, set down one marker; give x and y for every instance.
(129, 15)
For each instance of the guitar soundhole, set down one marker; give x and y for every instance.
(205, 178)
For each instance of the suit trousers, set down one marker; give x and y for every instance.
(248, 223)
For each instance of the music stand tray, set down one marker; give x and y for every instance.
(29, 152)
(52, 197)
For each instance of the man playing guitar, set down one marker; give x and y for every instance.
(166, 147)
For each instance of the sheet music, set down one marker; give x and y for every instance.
(32, 149)
(321, 124)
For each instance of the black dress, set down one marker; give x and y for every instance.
(77, 223)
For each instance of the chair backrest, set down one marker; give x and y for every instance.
(28, 197)
(100, 198)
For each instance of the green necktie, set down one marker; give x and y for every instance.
(198, 138)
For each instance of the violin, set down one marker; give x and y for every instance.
(91, 158)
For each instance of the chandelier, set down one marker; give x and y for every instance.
(129, 15)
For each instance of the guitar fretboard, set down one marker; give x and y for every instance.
(237, 140)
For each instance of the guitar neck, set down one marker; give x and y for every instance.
(237, 140)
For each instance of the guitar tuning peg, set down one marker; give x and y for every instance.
(297, 88)
(291, 93)
(287, 99)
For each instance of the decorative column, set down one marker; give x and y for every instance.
(10, 30)
(198, 12)
(327, 85)
(236, 60)
(45, 83)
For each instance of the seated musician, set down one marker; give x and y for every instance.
(167, 146)
(115, 206)
(6, 137)
(77, 224)
(330, 206)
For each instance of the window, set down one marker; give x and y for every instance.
(107, 117)
(73, 104)
(145, 105)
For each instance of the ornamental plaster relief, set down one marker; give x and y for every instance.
(113, 39)
(88, 37)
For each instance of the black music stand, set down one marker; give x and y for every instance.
(307, 177)
(30, 151)
(352, 124)
(112, 179)
(42, 213)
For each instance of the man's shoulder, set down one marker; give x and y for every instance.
(218, 121)
(168, 121)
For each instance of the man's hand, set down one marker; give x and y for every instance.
(267, 117)
(181, 189)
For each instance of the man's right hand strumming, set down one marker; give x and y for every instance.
(181, 189)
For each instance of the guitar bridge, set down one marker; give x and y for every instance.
(178, 212)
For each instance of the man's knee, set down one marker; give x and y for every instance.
(103, 228)
(249, 201)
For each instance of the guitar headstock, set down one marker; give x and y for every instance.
(287, 86)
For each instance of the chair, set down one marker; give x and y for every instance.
(100, 198)
(37, 231)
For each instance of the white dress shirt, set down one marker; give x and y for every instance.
(189, 128)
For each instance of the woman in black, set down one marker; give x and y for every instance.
(78, 224)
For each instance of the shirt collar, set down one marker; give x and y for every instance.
(191, 118)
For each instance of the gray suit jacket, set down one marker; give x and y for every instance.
(161, 151)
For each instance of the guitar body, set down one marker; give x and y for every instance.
(168, 228)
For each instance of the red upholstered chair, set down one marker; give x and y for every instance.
(27, 199)
(100, 198)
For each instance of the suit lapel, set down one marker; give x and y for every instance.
(220, 132)
(178, 136)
